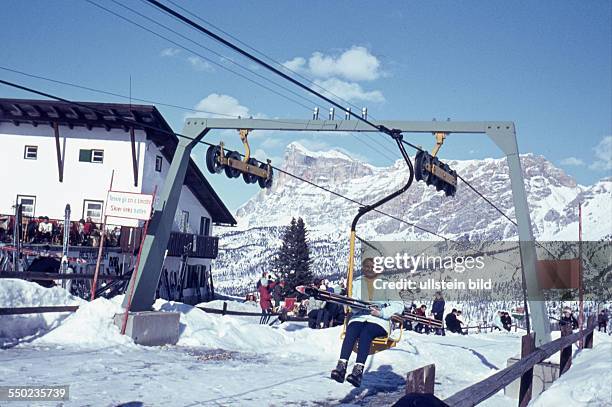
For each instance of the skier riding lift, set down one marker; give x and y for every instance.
(365, 325)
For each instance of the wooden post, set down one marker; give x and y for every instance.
(101, 244)
(588, 340)
(224, 307)
(565, 361)
(527, 347)
(421, 380)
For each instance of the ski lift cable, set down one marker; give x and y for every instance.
(147, 126)
(169, 11)
(90, 89)
(220, 65)
(221, 56)
(306, 78)
(201, 55)
(266, 65)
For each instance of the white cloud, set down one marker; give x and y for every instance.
(296, 64)
(603, 155)
(199, 64)
(169, 52)
(572, 161)
(354, 64)
(221, 105)
(350, 91)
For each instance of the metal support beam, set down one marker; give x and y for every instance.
(146, 279)
(348, 125)
(506, 141)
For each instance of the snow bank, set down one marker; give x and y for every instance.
(244, 334)
(20, 293)
(587, 382)
(90, 326)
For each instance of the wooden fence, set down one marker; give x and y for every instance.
(523, 369)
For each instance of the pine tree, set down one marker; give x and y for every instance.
(292, 261)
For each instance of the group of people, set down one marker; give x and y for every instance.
(324, 314)
(42, 230)
(269, 290)
(502, 320)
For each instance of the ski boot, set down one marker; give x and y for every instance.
(355, 377)
(339, 372)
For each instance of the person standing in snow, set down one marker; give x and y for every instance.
(506, 321)
(452, 323)
(421, 312)
(437, 309)
(602, 321)
(265, 300)
(497, 321)
(277, 293)
(365, 325)
(568, 318)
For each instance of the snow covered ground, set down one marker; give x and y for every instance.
(228, 361)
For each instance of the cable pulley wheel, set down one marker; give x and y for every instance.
(265, 182)
(229, 171)
(250, 178)
(212, 160)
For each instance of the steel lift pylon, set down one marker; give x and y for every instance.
(502, 133)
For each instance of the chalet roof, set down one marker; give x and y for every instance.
(108, 116)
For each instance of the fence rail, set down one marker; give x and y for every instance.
(38, 310)
(481, 391)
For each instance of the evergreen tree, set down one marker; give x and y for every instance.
(292, 261)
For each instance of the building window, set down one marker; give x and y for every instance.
(91, 156)
(28, 204)
(92, 209)
(158, 163)
(30, 152)
(204, 226)
(184, 221)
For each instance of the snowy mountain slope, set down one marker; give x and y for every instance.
(552, 195)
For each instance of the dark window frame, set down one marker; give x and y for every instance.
(84, 213)
(25, 152)
(33, 206)
(204, 226)
(158, 163)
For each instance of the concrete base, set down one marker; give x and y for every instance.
(151, 328)
(544, 374)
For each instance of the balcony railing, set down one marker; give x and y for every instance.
(196, 246)
(127, 239)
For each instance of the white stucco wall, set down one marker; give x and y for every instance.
(82, 180)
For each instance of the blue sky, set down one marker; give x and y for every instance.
(547, 65)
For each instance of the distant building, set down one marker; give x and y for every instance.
(54, 153)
